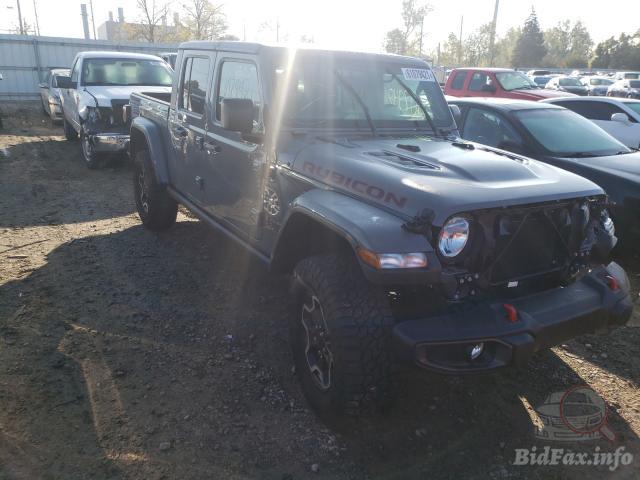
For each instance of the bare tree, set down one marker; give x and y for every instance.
(153, 15)
(408, 39)
(205, 20)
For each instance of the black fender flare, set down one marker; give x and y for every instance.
(361, 225)
(145, 131)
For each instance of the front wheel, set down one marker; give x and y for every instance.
(156, 208)
(341, 337)
(89, 155)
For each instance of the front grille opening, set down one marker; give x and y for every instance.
(529, 244)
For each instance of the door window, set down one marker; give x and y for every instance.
(458, 80)
(478, 81)
(240, 80)
(488, 128)
(195, 78)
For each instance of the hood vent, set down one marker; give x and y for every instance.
(402, 160)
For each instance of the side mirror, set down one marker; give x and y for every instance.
(457, 114)
(237, 114)
(620, 117)
(64, 82)
(44, 85)
(489, 88)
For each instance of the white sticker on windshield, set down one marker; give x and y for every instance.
(420, 74)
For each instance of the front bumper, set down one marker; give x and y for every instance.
(443, 343)
(110, 142)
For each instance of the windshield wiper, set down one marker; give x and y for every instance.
(579, 155)
(427, 117)
(365, 109)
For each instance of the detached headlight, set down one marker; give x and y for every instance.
(453, 237)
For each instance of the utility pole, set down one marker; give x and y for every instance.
(277, 30)
(421, 34)
(20, 18)
(93, 22)
(35, 11)
(493, 34)
(460, 41)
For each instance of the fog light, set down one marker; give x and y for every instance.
(476, 351)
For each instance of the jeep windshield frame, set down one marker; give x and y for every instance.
(328, 90)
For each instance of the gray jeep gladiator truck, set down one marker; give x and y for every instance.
(403, 242)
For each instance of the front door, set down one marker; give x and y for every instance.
(235, 164)
(188, 123)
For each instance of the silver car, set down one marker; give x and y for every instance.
(50, 94)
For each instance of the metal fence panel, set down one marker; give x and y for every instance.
(25, 59)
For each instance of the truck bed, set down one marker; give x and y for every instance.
(154, 106)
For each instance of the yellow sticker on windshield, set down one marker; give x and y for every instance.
(419, 74)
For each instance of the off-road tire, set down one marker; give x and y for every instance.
(358, 320)
(156, 208)
(69, 133)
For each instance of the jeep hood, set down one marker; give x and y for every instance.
(105, 94)
(443, 177)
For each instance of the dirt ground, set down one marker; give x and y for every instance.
(129, 354)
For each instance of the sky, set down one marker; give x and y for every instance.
(344, 24)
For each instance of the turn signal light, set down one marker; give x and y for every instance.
(512, 313)
(384, 261)
(612, 282)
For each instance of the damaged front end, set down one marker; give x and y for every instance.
(513, 281)
(105, 127)
(520, 250)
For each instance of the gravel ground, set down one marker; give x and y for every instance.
(129, 354)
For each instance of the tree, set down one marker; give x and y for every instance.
(505, 46)
(204, 20)
(153, 15)
(407, 40)
(622, 54)
(529, 50)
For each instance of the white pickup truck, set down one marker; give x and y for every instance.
(94, 96)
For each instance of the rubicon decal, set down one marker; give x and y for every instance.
(363, 188)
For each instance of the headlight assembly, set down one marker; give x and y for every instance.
(453, 237)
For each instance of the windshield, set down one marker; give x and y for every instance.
(565, 133)
(569, 82)
(600, 81)
(325, 91)
(515, 81)
(635, 106)
(631, 75)
(125, 72)
(634, 83)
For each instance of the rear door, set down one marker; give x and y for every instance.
(235, 164)
(188, 123)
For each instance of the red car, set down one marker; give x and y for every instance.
(498, 83)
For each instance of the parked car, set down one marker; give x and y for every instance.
(564, 139)
(343, 170)
(541, 81)
(94, 96)
(618, 117)
(50, 93)
(596, 86)
(624, 88)
(536, 73)
(626, 76)
(567, 84)
(497, 83)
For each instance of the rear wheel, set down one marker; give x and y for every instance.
(341, 336)
(156, 208)
(69, 133)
